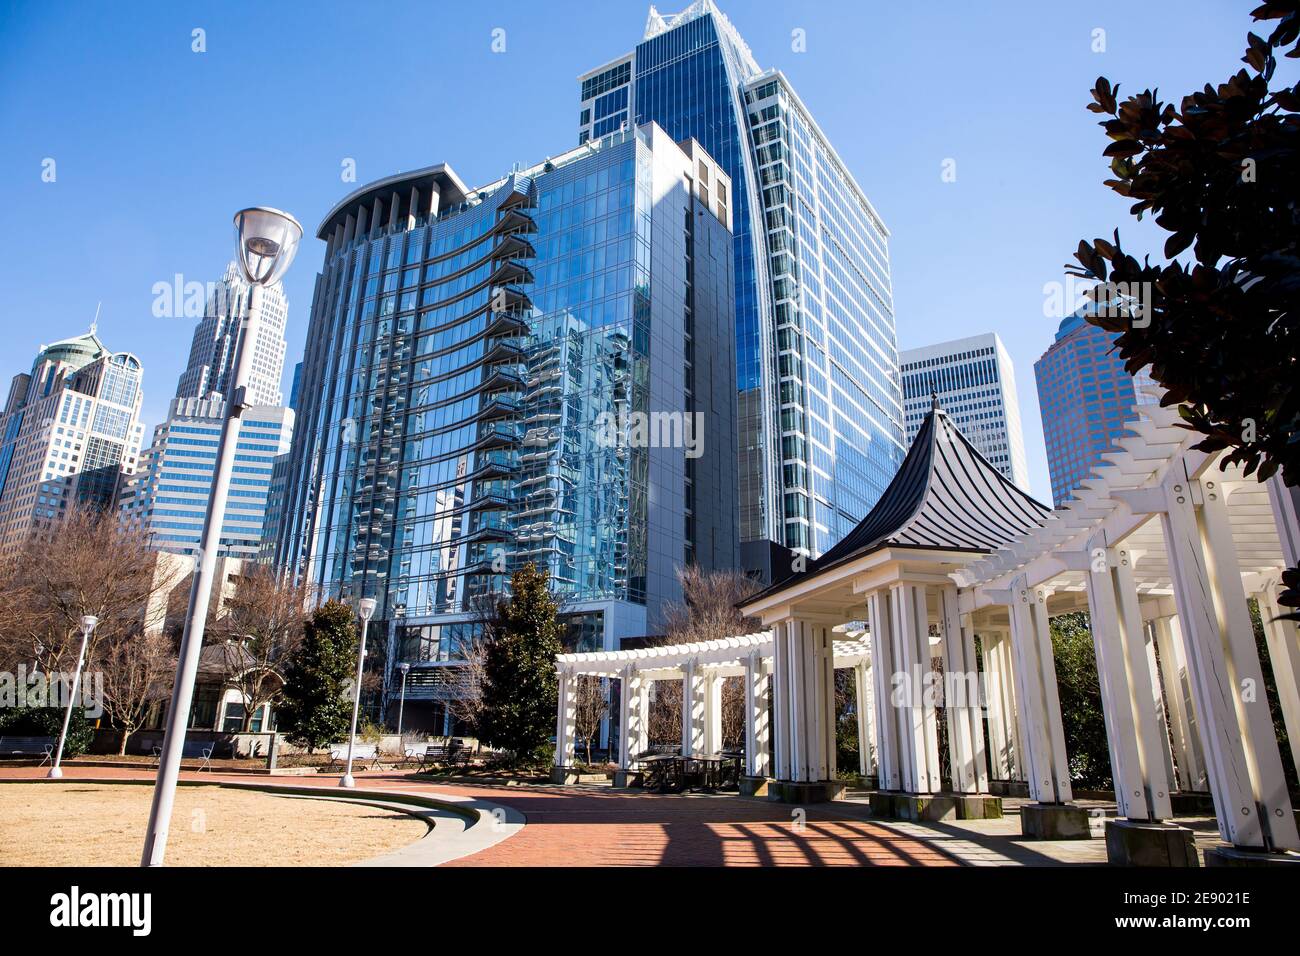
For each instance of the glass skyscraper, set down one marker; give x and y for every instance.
(478, 363)
(69, 431)
(975, 383)
(820, 409)
(1085, 396)
(168, 497)
(213, 348)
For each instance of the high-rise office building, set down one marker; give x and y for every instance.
(540, 369)
(1085, 396)
(975, 384)
(213, 349)
(69, 433)
(820, 411)
(168, 496)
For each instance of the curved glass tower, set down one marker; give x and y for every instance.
(508, 374)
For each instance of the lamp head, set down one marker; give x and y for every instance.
(366, 608)
(88, 623)
(266, 241)
(403, 667)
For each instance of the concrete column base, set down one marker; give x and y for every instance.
(754, 786)
(868, 782)
(629, 778)
(917, 807)
(1138, 843)
(563, 775)
(1054, 821)
(978, 806)
(818, 791)
(1234, 856)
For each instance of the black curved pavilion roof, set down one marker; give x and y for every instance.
(945, 496)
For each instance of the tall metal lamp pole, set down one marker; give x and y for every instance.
(266, 241)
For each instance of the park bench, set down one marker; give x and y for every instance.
(446, 754)
(28, 747)
(360, 754)
(192, 748)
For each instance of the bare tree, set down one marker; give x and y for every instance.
(138, 670)
(590, 708)
(84, 564)
(664, 724)
(259, 628)
(462, 684)
(708, 610)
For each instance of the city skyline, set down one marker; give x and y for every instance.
(301, 172)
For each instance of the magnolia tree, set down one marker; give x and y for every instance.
(1220, 172)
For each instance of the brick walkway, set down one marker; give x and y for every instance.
(595, 826)
(579, 826)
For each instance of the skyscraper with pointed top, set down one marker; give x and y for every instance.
(820, 408)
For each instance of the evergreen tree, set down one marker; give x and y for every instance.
(1080, 693)
(317, 706)
(520, 686)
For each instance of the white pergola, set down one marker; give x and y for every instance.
(1161, 545)
(701, 666)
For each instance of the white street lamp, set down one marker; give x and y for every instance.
(266, 241)
(88, 623)
(401, 704)
(365, 610)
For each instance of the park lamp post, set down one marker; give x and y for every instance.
(87, 627)
(401, 703)
(365, 610)
(266, 241)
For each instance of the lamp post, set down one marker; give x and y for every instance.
(401, 704)
(266, 241)
(365, 610)
(88, 622)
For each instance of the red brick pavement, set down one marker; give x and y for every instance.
(575, 826)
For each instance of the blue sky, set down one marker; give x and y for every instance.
(156, 146)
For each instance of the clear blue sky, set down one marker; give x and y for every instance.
(157, 146)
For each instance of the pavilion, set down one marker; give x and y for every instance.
(1162, 545)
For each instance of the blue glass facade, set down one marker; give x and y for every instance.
(820, 411)
(464, 346)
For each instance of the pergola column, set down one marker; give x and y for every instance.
(863, 691)
(565, 720)
(1004, 731)
(692, 708)
(1283, 639)
(632, 718)
(1159, 705)
(804, 682)
(1242, 759)
(1185, 738)
(962, 704)
(712, 712)
(918, 726)
(1046, 768)
(758, 758)
(882, 670)
(1136, 752)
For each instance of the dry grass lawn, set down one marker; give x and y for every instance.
(91, 824)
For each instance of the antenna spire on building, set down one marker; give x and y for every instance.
(94, 323)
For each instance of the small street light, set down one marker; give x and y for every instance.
(401, 704)
(365, 610)
(88, 623)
